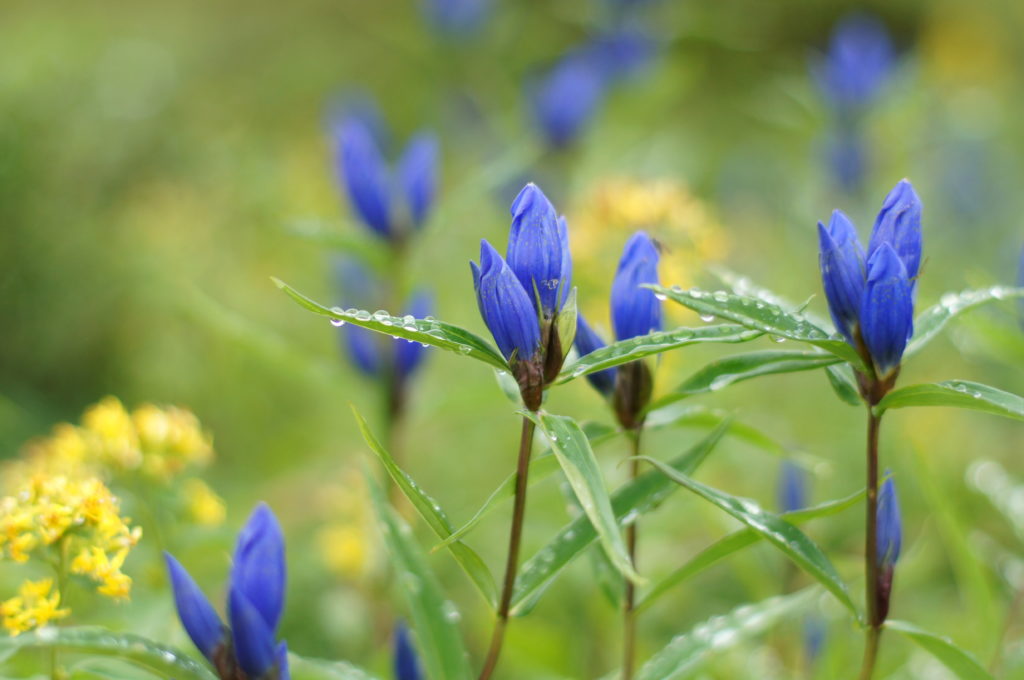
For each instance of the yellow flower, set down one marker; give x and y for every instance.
(204, 506)
(34, 606)
(344, 549)
(118, 441)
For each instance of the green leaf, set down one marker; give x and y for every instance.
(931, 321)
(688, 652)
(757, 314)
(739, 367)
(303, 668)
(434, 516)
(844, 384)
(542, 465)
(435, 619)
(735, 542)
(426, 331)
(957, 393)
(961, 662)
(791, 541)
(162, 661)
(571, 447)
(624, 351)
(631, 500)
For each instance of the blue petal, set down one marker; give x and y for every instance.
(565, 282)
(887, 311)
(635, 310)
(417, 173)
(283, 671)
(363, 349)
(258, 569)
(842, 272)
(792, 487)
(567, 98)
(538, 248)
(858, 63)
(587, 340)
(254, 645)
(890, 527)
(365, 174)
(407, 665)
(899, 225)
(505, 306)
(195, 611)
(409, 354)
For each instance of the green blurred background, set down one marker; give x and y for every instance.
(155, 159)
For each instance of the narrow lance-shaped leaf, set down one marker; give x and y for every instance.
(956, 393)
(777, 531)
(432, 513)
(628, 502)
(759, 315)
(94, 641)
(931, 321)
(962, 663)
(735, 542)
(435, 619)
(426, 331)
(686, 653)
(844, 384)
(624, 351)
(571, 447)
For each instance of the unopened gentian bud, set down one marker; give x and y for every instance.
(899, 225)
(505, 306)
(858, 63)
(407, 664)
(566, 99)
(792, 487)
(538, 250)
(197, 615)
(587, 340)
(889, 541)
(887, 313)
(409, 354)
(842, 272)
(365, 174)
(417, 175)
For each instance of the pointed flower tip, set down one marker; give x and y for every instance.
(258, 571)
(197, 615)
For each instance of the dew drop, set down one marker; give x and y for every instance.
(337, 322)
(707, 318)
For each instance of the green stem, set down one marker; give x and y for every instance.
(874, 631)
(514, 540)
(629, 601)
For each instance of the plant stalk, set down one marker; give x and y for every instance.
(514, 541)
(629, 601)
(874, 631)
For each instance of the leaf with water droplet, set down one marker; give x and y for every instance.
(931, 321)
(956, 393)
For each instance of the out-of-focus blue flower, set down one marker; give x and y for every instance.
(792, 487)
(409, 354)
(538, 250)
(392, 203)
(872, 298)
(620, 53)
(457, 17)
(587, 340)
(255, 604)
(636, 310)
(407, 664)
(846, 156)
(890, 527)
(505, 306)
(566, 99)
(858, 62)
(814, 637)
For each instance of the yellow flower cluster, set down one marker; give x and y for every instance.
(345, 543)
(35, 605)
(56, 517)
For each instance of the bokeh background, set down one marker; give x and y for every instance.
(160, 161)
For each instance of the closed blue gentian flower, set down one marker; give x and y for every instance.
(247, 648)
(636, 310)
(407, 663)
(538, 250)
(587, 340)
(390, 202)
(792, 487)
(858, 63)
(890, 527)
(871, 296)
(505, 306)
(457, 17)
(408, 353)
(566, 98)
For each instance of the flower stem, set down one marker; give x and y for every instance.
(514, 540)
(629, 601)
(871, 550)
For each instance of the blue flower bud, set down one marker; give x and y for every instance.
(635, 310)
(417, 175)
(587, 340)
(505, 306)
(254, 645)
(887, 312)
(538, 250)
(258, 569)
(409, 354)
(457, 17)
(792, 487)
(899, 225)
(362, 348)
(890, 528)
(842, 271)
(197, 615)
(859, 61)
(407, 665)
(566, 99)
(365, 174)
